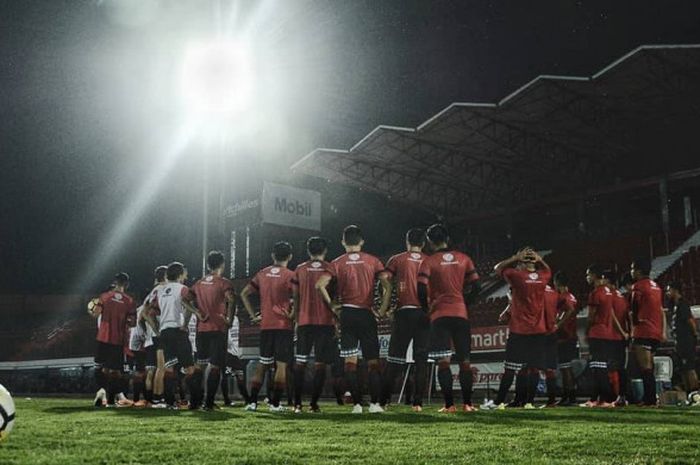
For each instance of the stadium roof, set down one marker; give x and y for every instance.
(568, 135)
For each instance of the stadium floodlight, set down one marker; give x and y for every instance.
(217, 79)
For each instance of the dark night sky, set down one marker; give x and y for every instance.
(86, 100)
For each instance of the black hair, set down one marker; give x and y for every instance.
(316, 245)
(159, 273)
(282, 250)
(643, 265)
(215, 259)
(561, 279)
(174, 271)
(438, 234)
(352, 235)
(595, 269)
(121, 279)
(416, 237)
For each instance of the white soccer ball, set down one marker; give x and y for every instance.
(7, 412)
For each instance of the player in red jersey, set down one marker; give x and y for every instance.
(117, 311)
(447, 281)
(411, 323)
(551, 309)
(617, 362)
(601, 336)
(175, 302)
(567, 340)
(215, 299)
(315, 323)
(274, 284)
(355, 274)
(528, 274)
(648, 324)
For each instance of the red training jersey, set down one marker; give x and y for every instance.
(312, 309)
(355, 274)
(118, 310)
(404, 268)
(621, 309)
(601, 326)
(567, 330)
(274, 284)
(446, 273)
(212, 293)
(647, 300)
(551, 301)
(527, 300)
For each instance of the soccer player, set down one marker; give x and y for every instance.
(155, 359)
(117, 311)
(527, 274)
(215, 299)
(551, 302)
(567, 340)
(234, 366)
(137, 339)
(410, 320)
(600, 334)
(315, 323)
(685, 333)
(617, 363)
(355, 274)
(274, 284)
(175, 302)
(648, 324)
(447, 281)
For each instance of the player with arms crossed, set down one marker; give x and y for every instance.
(410, 320)
(274, 284)
(447, 281)
(355, 274)
(215, 299)
(315, 323)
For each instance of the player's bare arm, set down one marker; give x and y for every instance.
(387, 286)
(245, 298)
(510, 261)
(230, 307)
(322, 287)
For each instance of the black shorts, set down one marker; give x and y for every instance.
(567, 351)
(319, 337)
(176, 348)
(211, 348)
(358, 328)
(450, 332)
(602, 353)
(234, 364)
(151, 355)
(110, 356)
(686, 357)
(409, 324)
(649, 344)
(618, 355)
(137, 362)
(525, 349)
(276, 345)
(551, 352)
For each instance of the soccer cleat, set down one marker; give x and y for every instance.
(549, 405)
(159, 404)
(417, 408)
(620, 402)
(298, 409)
(124, 402)
(100, 398)
(140, 404)
(314, 408)
(252, 407)
(529, 406)
(375, 408)
(230, 403)
(347, 397)
(357, 408)
(450, 409)
(488, 405)
(605, 405)
(277, 409)
(501, 406)
(468, 408)
(172, 407)
(589, 404)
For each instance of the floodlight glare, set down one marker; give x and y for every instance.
(217, 78)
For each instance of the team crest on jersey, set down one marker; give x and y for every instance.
(118, 296)
(315, 264)
(275, 270)
(354, 257)
(209, 278)
(448, 257)
(533, 276)
(415, 256)
(168, 290)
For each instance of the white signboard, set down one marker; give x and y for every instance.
(291, 206)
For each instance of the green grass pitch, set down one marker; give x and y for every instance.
(70, 431)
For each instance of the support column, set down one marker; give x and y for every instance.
(663, 198)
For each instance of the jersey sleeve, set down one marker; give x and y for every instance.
(187, 294)
(594, 298)
(509, 274)
(470, 274)
(424, 272)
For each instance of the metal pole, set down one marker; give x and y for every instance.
(205, 216)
